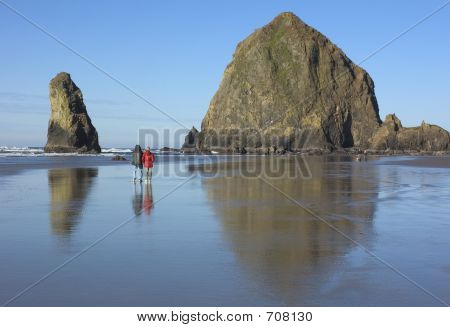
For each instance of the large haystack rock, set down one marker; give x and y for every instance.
(290, 87)
(70, 129)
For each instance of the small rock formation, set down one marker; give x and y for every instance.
(284, 78)
(168, 149)
(385, 136)
(69, 129)
(393, 136)
(118, 158)
(191, 141)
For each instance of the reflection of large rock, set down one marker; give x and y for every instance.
(286, 250)
(287, 76)
(68, 191)
(392, 135)
(70, 129)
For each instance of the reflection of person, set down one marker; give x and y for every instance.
(148, 199)
(137, 200)
(136, 160)
(147, 159)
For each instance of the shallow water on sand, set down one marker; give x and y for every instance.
(325, 232)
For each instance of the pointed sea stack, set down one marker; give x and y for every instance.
(284, 78)
(69, 129)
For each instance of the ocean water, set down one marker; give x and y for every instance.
(223, 231)
(15, 151)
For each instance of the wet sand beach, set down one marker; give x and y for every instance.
(425, 161)
(318, 231)
(14, 165)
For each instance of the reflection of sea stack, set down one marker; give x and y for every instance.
(278, 243)
(68, 191)
(69, 129)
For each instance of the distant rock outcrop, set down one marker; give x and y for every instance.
(191, 141)
(393, 136)
(168, 149)
(118, 158)
(70, 129)
(284, 78)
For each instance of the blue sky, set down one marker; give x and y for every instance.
(174, 53)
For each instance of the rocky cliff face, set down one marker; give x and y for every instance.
(289, 87)
(393, 136)
(69, 129)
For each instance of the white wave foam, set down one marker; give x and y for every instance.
(43, 154)
(15, 151)
(20, 149)
(116, 150)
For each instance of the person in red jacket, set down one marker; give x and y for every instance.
(147, 159)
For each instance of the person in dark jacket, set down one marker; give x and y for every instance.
(147, 160)
(136, 160)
